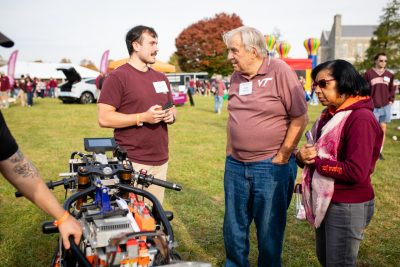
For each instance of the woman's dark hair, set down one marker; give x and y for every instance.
(135, 35)
(349, 81)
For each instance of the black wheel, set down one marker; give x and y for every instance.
(86, 98)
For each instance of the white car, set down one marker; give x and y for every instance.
(76, 89)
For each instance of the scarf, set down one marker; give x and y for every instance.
(318, 189)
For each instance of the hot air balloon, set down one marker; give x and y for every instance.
(283, 49)
(311, 45)
(270, 42)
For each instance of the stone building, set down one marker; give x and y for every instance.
(347, 42)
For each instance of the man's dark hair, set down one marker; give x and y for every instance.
(349, 81)
(135, 35)
(378, 55)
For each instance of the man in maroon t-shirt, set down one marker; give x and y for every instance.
(382, 92)
(137, 101)
(267, 115)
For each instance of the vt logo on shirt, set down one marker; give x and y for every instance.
(263, 82)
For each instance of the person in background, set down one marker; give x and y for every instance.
(303, 83)
(24, 176)
(133, 101)
(52, 87)
(267, 115)
(340, 164)
(22, 91)
(34, 85)
(15, 89)
(207, 87)
(99, 81)
(4, 90)
(41, 88)
(380, 81)
(199, 87)
(190, 91)
(219, 94)
(29, 90)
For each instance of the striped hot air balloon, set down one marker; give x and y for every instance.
(270, 42)
(283, 49)
(311, 45)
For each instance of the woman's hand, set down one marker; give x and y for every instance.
(307, 154)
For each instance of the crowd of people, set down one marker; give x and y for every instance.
(25, 89)
(267, 115)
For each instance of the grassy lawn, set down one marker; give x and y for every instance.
(48, 132)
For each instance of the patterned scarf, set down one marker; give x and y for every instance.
(318, 189)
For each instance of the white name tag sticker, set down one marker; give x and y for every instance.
(160, 87)
(386, 79)
(246, 88)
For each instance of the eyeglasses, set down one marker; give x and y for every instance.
(321, 83)
(382, 60)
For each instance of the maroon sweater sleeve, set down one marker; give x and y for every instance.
(360, 137)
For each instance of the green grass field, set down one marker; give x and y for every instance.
(48, 132)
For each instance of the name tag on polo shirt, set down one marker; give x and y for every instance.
(160, 87)
(386, 79)
(246, 88)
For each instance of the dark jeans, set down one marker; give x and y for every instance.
(339, 236)
(190, 94)
(261, 191)
(29, 96)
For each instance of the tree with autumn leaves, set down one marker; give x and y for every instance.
(200, 46)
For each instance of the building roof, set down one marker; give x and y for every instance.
(358, 30)
(326, 34)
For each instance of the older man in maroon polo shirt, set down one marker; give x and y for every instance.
(267, 116)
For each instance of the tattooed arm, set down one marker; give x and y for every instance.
(21, 173)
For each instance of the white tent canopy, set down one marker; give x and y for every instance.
(47, 70)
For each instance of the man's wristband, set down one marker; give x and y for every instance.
(62, 219)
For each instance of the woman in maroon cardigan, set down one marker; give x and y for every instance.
(348, 140)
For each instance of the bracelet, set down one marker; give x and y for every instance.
(62, 219)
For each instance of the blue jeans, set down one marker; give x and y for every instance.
(218, 103)
(52, 92)
(30, 98)
(383, 114)
(261, 191)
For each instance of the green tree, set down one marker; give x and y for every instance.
(200, 46)
(173, 60)
(386, 39)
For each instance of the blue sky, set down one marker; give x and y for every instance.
(83, 29)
